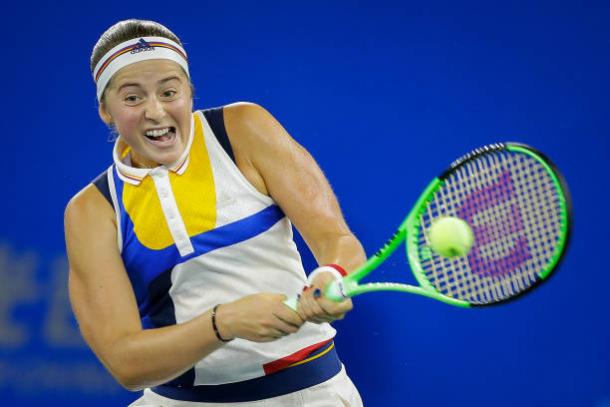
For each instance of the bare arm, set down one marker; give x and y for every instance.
(105, 307)
(278, 166)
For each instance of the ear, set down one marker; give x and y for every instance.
(104, 115)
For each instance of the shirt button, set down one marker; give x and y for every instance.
(158, 172)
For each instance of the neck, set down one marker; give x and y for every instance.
(141, 162)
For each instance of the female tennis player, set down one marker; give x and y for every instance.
(181, 253)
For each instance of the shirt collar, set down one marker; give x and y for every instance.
(133, 175)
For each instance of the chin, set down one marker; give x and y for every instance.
(168, 159)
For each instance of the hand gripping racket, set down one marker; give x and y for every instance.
(516, 203)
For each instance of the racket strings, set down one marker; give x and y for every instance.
(514, 207)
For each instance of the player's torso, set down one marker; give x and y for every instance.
(203, 235)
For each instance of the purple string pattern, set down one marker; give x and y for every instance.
(512, 205)
(500, 191)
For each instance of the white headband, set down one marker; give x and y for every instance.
(136, 50)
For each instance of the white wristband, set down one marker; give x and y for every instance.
(325, 269)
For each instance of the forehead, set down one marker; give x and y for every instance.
(148, 71)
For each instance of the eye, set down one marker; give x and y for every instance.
(169, 94)
(131, 99)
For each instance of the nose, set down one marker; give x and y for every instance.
(154, 109)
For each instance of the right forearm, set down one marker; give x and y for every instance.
(154, 356)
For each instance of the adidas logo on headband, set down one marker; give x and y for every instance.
(142, 46)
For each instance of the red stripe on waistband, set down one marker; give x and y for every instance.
(296, 357)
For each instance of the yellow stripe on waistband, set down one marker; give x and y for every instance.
(309, 359)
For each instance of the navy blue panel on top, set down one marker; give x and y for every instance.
(101, 182)
(215, 117)
(161, 314)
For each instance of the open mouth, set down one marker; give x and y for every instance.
(161, 136)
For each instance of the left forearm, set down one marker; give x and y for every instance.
(344, 250)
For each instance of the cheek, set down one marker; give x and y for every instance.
(182, 108)
(181, 105)
(126, 121)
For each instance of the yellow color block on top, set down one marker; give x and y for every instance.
(195, 195)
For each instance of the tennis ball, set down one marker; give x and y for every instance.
(450, 237)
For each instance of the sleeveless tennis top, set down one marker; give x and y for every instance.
(196, 234)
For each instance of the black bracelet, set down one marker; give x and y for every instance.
(220, 338)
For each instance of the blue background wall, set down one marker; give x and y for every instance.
(384, 95)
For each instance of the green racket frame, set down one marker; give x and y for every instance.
(410, 229)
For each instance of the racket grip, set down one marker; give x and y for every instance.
(292, 303)
(336, 291)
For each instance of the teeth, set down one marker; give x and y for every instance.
(157, 133)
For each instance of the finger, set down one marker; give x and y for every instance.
(277, 333)
(269, 334)
(325, 317)
(329, 308)
(293, 319)
(304, 304)
(284, 327)
(267, 339)
(321, 320)
(288, 315)
(333, 308)
(312, 308)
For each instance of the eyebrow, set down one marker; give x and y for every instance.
(162, 81)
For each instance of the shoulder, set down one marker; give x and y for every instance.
(248, 119)
(241, 122)
(86, 208)
(254, 128)
(238, 112)
(245, 111)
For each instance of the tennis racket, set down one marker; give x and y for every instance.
(517, 204)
